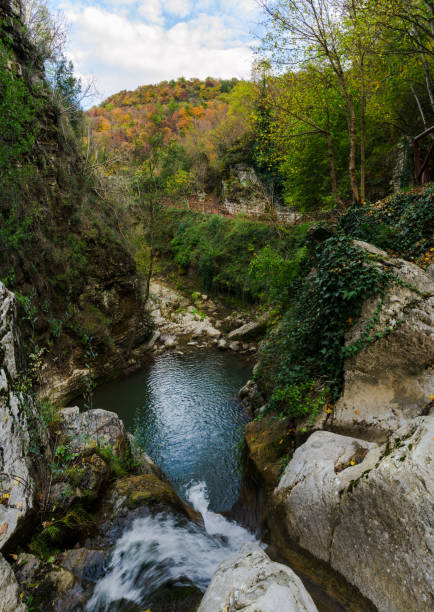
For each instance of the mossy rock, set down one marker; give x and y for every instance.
(148, 490)
(265, 450)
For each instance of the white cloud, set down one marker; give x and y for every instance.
(151, 10)
(127, 47)
(180, 8)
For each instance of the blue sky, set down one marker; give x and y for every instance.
(127, 43)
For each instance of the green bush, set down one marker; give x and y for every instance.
(222, 251)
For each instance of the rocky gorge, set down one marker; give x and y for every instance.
(357, 493)
(336, 508)
(337, 498)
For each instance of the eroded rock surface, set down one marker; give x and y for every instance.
(250, 581)
(88, 430)
(9, 591)
(16, 410)
(389, 382)
(367, 510)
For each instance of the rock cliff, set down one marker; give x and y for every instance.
(18, 423)
(358, 491)
(62, 252)
(390, 381)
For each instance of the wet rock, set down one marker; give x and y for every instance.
(250, 581)
(222, 344)
(365, 509)
(83, 563)
(388, 382)
(251, 396)
(94, 428)
(250, 331)
(148, 490)
(9, 591)
(234, 346)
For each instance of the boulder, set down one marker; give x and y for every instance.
(17, 410)
(222, 344)
(90, 474)
(250, 331)
(251, 396)
(10, 600)
(132, 492)
(85, 431)
(390, 380)
(264, 439)
(251, 582)
(365, 509)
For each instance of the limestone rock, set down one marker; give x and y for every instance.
(90, 475)
(10, 594)
(222, 344)
(144, 463)
(367, 510)
(16, 409)
(250, 331)
(262, 440)
(87, 430)
(390, 381)
(250, 581)
(134, 492)
(251, 396)
(26, 568)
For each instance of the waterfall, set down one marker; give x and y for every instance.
(165, 549)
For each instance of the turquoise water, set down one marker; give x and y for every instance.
(185, 410)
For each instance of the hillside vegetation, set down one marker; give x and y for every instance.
(59, 243)
(336, 97)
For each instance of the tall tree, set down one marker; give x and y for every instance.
(307, 31)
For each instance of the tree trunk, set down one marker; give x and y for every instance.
(149, 274)
(333, 171)
(353, 147)
(362, 132)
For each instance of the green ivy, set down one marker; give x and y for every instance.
(402, 224)
(308, 348)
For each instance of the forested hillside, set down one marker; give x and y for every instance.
(327, 119)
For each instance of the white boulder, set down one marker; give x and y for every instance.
(251, 582)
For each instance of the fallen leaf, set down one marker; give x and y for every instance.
(4, 529)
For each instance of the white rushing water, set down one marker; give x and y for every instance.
(164, 549)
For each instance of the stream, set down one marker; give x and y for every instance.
(184, 410)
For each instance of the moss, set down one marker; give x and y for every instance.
(148, 489)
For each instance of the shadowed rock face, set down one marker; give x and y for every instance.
(367, 510)
(250, 581)
(390, 381)
(10, 598)
(16, 481)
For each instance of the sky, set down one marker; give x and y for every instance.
(123, 44)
